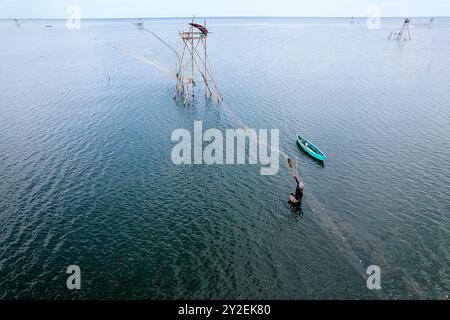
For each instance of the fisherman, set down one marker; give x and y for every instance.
(296, 197)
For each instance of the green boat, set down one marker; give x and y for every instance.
(310, 149)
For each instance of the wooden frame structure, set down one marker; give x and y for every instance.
(403, 34)
(194, 61)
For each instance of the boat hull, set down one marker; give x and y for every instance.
(317, 155)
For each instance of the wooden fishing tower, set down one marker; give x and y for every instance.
(403, 34)
(194, 62)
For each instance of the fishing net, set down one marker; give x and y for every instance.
(148, 48)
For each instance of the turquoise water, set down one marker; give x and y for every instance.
(86, 176)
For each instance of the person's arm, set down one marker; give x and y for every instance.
(290, 167)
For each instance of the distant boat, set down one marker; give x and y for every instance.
(311, 149)
(49, 26)
(140, 24)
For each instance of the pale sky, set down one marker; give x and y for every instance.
(220, 8)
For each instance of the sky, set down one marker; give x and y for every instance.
(55, 9)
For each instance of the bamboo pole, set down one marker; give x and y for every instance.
(204, 48)
(210, 75)
(192, 60)
(208, 72)
(180, 75)
(201, 73)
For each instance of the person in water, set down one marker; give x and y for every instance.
(299, 189)
(296, 198)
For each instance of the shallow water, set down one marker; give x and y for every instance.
(87, 179)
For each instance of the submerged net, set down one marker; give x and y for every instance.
(152, 50)
(151, 59)
(327, 224)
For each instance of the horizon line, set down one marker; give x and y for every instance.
(225, 17)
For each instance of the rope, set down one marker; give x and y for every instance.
(168, 45)
(326, 222)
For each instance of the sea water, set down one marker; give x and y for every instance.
(86, 178)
